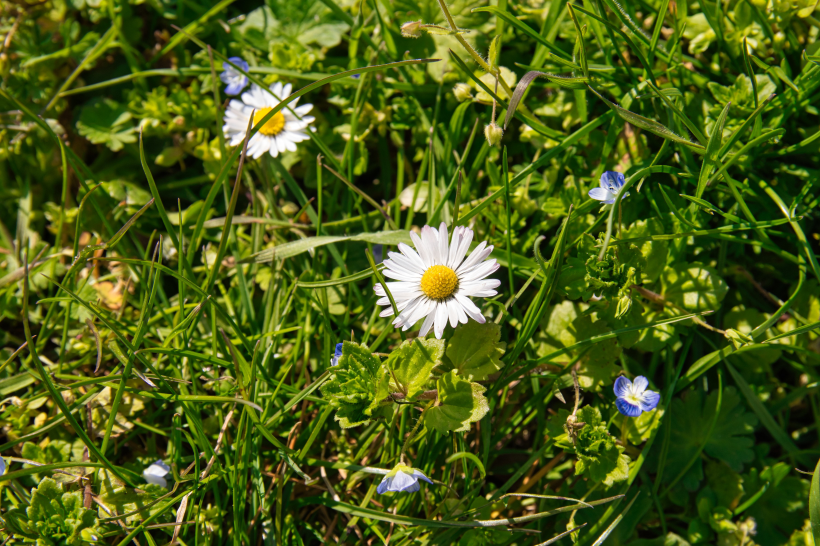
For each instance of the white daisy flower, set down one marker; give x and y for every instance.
(402, 478)
(156, 473)
(280, 133)
(435, 282)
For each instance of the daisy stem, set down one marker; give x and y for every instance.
(415, 429)
(380, 279)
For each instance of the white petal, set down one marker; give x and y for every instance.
(425, 308)
(474, 258)
(452, 312)
(443, 242)
(399, 260)
(470, 308)
(429, 246)
(465, 238)
(479, 271)
(421, 248)
(441, 319)
(428, 323)
(407, 311)
(412, 256)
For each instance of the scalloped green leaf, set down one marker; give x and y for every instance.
(412, 362)
(357, 386)
(475, 350)
(459, 403)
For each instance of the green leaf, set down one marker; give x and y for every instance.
(653, 252)
(294, 248)
(782, 508)
(475, 350)
(599, 457)
(105, 121)
(411, 363)
(357, 386)
(814, 504)
(744, 321)
(54, 516)
(650, 125)
(640, 428)
(459, 403)
(695, 287)
(730, 441)
(124, 500)
(710, 158)
(725, 482)
(564, 326)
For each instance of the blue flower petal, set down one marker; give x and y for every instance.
(382, 488)
(235, 88)
(339, 347)
(238, 62)
(640, 384)
(622, 386)
(420, 475)
(627, 409)
(612, 179)
(403, 482)
(649, 400)
(600, 194)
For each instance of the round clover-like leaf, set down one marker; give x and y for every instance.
(695, 287)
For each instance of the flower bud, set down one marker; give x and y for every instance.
(493, 133)
(462, 92)
(411, 29)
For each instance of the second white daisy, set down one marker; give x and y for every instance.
(436, 282)
(280, 133)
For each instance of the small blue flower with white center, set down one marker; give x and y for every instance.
(402, 478)
(337, 355)
(156, 473)
(633, 398)
(234, 79)
(611, 184)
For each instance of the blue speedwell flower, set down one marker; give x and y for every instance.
(2, 466)
(156, 473)
(634, 398)
(337, 355)
(234, 79)
(402, 478)
(611, 184)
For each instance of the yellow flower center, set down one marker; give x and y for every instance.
(439, 282)
(271, 127)
(633, 399)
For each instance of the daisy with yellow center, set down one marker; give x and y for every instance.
(435, 281)
(280, 133)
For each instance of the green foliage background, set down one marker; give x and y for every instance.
(211, 350)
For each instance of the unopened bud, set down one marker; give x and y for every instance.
(493, 133)
(462, 92)
(411, 29)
